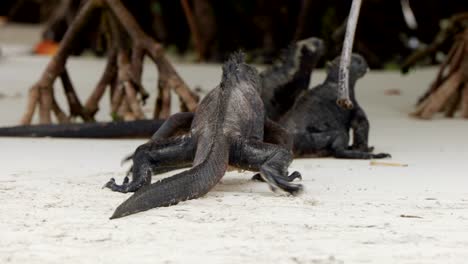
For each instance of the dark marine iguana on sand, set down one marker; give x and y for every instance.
(227, 129)
(285, 80)
(320, 127)
(281, 84)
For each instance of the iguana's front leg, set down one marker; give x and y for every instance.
(271, 160)
(360, 126)
(156, 157)
(178, 123)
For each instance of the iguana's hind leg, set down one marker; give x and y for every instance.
(271, 160)
(176, 124)
(276, 134)
(155, 157)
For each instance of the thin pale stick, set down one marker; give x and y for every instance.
(343, 76)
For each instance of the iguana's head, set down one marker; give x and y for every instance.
(310, 49)
(357, 68)
(235, 71)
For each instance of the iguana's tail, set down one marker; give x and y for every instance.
(189, 184)
(211, 158)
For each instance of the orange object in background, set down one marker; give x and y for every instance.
(3, 20)
(46, 47)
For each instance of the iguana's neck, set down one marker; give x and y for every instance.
(332, 79)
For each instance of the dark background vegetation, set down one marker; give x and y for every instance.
(263, 27)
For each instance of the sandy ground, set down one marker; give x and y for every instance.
(53, 210)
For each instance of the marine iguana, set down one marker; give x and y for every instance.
(281, 83)
(320, 127)
(227, 129)
(285, 80)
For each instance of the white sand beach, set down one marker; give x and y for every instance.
(53, 210)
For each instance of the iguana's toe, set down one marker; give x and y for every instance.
(115, 187)
(291, 188)
(257, 177)
(126, 180)
(290, 178)
(109, 183)
(295, 175)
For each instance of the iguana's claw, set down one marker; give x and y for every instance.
(109, 183)
(257, 177)
(126, 180)
(295, 175)
(126, 159)
(279, 182)
(117, 188)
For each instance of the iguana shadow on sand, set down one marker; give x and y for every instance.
(227, 130)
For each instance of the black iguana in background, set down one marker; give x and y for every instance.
(285, 80)
(227, 129)
(320, 127)
(281, 83)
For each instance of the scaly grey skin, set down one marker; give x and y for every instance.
(227, 129)
(319, 127)
(284, 81)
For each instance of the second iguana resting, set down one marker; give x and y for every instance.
(227, 130)
(320, 127)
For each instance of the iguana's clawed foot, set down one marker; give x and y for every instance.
(295, 175)
(290, 178)
(126, 186)
(117, 188)
(280, 182)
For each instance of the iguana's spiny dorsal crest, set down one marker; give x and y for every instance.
(235, 71)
